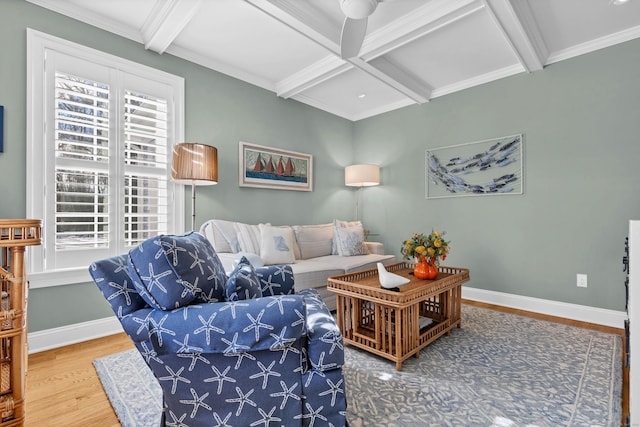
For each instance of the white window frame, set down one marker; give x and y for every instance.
(43, 271)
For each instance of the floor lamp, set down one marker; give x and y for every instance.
(195, 164)
(361, 176)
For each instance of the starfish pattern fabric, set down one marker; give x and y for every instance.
(269, 360)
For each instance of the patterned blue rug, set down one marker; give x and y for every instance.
(499, 370)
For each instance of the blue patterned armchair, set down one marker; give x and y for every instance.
(242, 350)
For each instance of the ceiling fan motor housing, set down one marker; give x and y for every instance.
(358, 9)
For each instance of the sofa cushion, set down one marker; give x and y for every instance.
(243, 282)
(354, 263)
(314, 240)
(309, 273)
(172, 271)
(277, 245)
(349, 239)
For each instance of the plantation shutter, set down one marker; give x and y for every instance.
(81, 163)
(100, 131)
(146, 163)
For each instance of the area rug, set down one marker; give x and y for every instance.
(499, 370)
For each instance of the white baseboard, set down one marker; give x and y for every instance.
(72, 334)
(583, 313)
(85, 331)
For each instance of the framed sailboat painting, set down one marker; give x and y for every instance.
(266, 167)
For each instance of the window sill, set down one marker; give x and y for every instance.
(59, 278)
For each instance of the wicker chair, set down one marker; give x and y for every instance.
(239, 350)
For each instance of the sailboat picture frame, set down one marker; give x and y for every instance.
(274, 168)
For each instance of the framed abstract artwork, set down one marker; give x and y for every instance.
(489, 167)
(267, 167)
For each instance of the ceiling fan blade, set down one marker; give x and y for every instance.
(352, 36)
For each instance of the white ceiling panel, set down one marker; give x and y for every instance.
(413, 50)
(242, 35)
(345, 92)
(467, 48)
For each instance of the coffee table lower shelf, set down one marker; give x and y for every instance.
(397, 325)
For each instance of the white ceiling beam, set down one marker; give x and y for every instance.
(424, 20)
(305, 20)
(388, 73)
(515, 21)
(166, 21)
(316, 73)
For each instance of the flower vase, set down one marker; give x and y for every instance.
(426, 269)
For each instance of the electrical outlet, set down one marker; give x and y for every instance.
(581, 280)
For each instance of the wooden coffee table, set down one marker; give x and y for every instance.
(397, 324)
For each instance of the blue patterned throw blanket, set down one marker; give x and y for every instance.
(499, 369)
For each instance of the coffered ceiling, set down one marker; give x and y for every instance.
(413, 51)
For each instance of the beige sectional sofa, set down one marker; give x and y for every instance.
(315, 252)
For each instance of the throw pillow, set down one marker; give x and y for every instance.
(212, 232)
(229, 232)
(248, 237)
(254, 259)
(350, 240)
(173, 271)
(277, 245)
(243, 282)
(338, 223)
(314, 240)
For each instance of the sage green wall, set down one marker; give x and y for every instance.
(581, 127)
(581, 124)
(220, 111)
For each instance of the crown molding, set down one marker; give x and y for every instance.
(324, 107)
(382, 109)
(478, 80)
(593, 45)
(221, 67)
(89, 18)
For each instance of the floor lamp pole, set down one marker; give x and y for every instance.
(193, 206)
(357, 202)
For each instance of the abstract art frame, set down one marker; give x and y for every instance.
(274, 168)
(489, 167)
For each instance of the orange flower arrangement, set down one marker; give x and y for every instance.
(432, 246)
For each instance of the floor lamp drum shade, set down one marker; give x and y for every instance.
(195, 164)
(362, 175)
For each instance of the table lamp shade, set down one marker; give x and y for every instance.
(195, 164)
(362, 175)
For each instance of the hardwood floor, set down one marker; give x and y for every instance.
(63, 388)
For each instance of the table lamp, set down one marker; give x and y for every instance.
(195, 164)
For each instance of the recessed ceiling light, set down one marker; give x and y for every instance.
(362, 95)
(618, 2)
